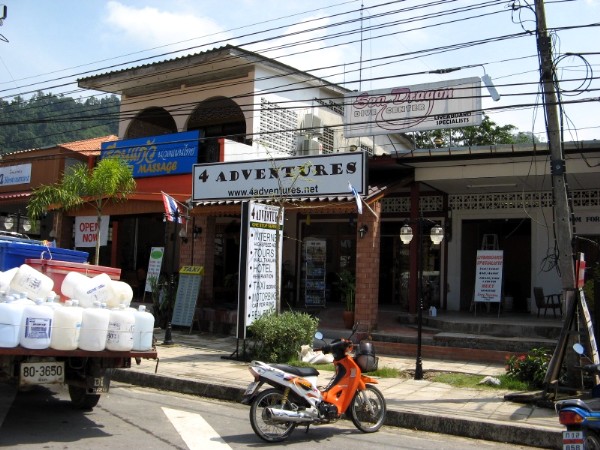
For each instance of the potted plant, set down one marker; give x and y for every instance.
(347, 285)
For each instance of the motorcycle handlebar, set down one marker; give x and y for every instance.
(591, 368)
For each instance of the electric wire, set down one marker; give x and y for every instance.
(315, 69)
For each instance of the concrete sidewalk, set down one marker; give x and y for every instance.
(200, 364)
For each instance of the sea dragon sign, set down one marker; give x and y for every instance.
(430, 106)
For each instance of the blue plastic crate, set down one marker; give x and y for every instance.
(13, 254)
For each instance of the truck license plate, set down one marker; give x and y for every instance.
(573, 440)
(49, 372)
(98, 385)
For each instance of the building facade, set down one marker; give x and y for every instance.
(247, 107)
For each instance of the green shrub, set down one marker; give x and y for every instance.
(278, 337)
(530, 368)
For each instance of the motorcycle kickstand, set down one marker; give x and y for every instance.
(307, 427)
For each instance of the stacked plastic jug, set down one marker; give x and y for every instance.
(94, 316)
(11, 314)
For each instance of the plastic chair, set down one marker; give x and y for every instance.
(552, 301)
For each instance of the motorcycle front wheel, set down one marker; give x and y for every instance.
(367, 410)
(265, 428)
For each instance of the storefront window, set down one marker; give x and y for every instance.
(226, 262)
(337, 240)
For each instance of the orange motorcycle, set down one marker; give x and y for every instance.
(294, 398)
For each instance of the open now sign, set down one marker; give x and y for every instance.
(88, 230)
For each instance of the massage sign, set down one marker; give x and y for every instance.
(431, 106)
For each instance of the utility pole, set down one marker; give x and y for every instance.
(561, 211)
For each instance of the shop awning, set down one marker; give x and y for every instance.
(326, 204)
(15, 195)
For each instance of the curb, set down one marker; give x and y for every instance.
(481, 429)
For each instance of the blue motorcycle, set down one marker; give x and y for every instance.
(581, 417)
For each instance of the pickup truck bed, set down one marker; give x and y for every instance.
(86, 373)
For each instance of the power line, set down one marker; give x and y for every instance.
(407, 55)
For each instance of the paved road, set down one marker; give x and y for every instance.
(130, 417)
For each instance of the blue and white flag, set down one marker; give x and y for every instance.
(356, 197)
(172, 209)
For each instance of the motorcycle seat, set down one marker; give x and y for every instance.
(590, 405)
(300, 371)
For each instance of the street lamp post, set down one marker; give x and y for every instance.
(406, 235)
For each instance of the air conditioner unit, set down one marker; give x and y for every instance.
(310, 147)
(312, 125)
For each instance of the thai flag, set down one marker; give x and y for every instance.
(172, 209)
(356, 197)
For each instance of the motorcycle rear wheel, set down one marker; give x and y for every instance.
(591, 442)
(367, 410)
(264, 428)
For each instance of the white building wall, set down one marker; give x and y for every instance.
(190, 97)
(542, 246)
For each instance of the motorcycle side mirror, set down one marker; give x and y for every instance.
(578, 348)
(318, 335)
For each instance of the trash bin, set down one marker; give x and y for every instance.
(14, 253)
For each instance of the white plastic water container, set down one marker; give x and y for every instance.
(98, 288)
(70, 282)
(94, 328)
(11, 315)
(66, 327)
(123, 294)
(6, 277)
(33, 283)
(21, 298)
(53, 302)
(143, 330)
(120, 330)
(36, 326)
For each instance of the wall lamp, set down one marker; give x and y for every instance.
(436, 235)
(362, 231)
(183, 235)
(197, 231)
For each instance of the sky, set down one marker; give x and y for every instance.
(360, 44)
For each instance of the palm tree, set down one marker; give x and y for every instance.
(110, 180)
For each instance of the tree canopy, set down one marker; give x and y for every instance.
(110, 180)
(488, 133)
(47, 119)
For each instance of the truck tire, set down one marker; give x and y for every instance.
(80, 399)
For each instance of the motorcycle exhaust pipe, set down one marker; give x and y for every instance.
(284, 415)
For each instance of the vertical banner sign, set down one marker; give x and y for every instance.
(488, 277)
(258, 262)
(154, 265)
(187, 294)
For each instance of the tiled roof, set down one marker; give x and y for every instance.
(88, 146)
(85, 146)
